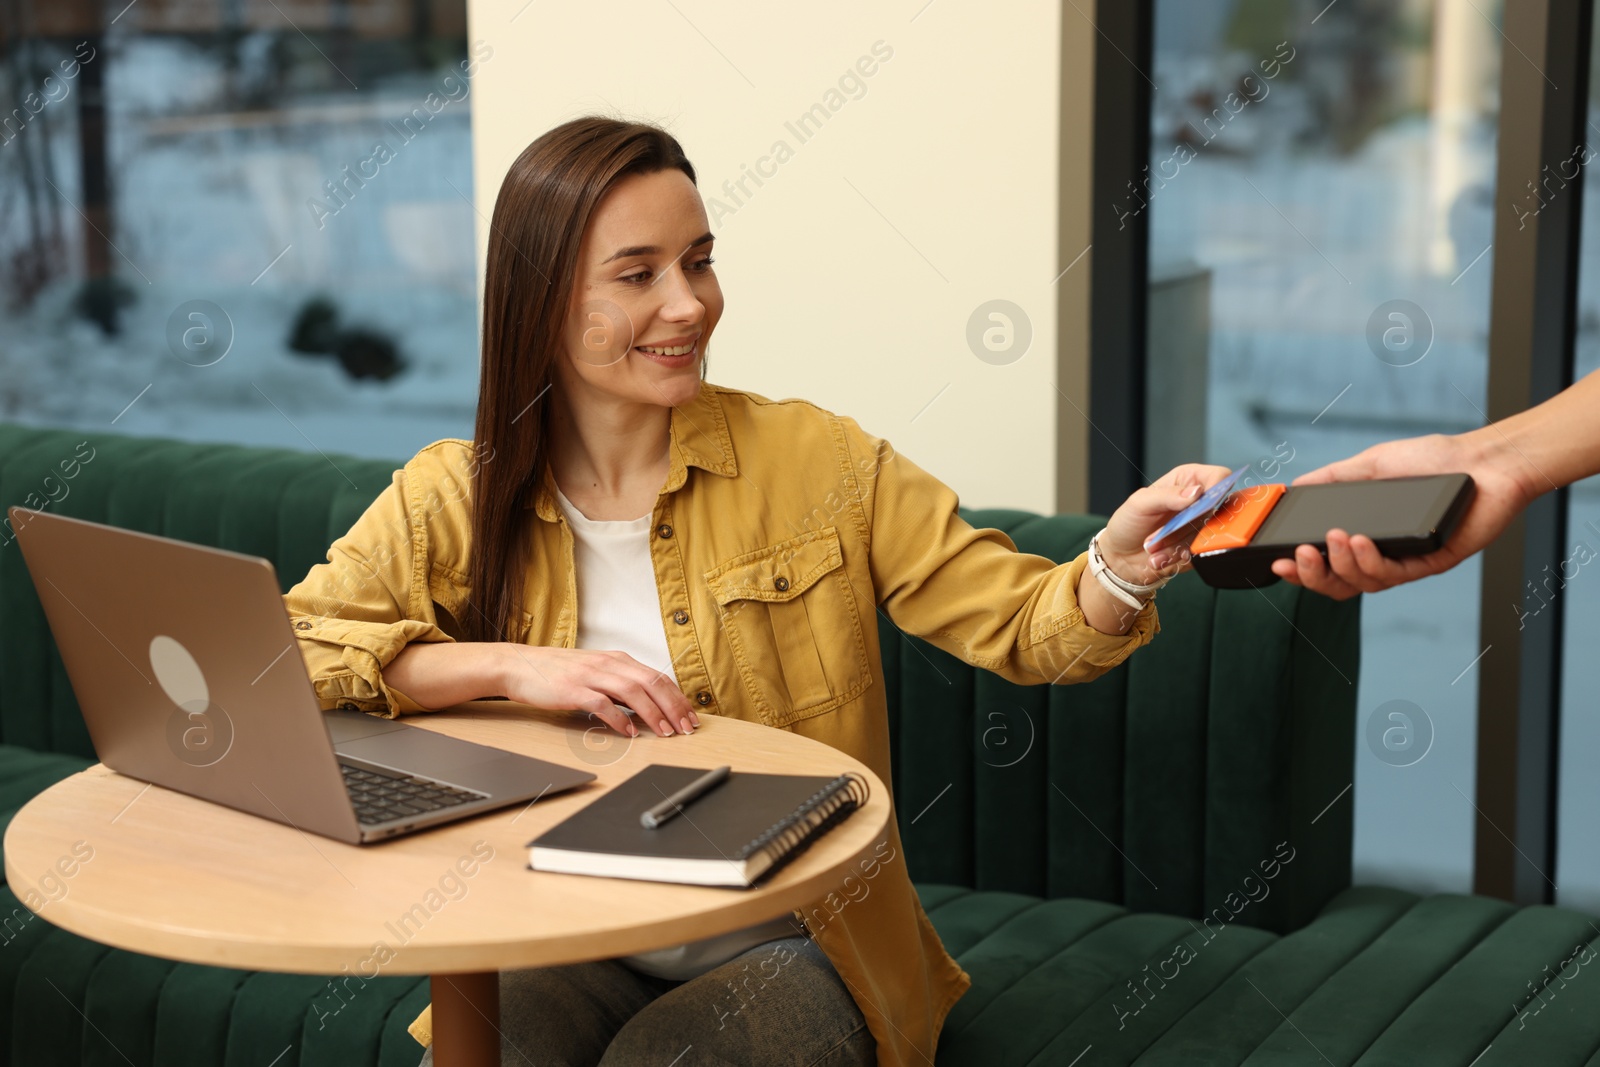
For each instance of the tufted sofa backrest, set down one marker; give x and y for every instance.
(283, 505)
(1205, 772)
(1177, 782)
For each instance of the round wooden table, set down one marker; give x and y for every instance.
(184, 879)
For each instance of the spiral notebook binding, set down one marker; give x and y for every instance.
(787, 836)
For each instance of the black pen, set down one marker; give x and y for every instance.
(676, 802)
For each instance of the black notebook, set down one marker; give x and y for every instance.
(735, 835)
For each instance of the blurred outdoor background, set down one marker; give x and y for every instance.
(1361, 174)
(224, 152)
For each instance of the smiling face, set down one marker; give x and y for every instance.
(645, 298)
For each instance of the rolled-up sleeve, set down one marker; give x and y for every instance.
(360, 609)
(969, 591)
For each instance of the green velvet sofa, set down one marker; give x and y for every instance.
(1153, 868)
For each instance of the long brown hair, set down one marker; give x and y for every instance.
(539, 220)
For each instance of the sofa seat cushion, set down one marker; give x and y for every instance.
(24, 773)
(1380, 977)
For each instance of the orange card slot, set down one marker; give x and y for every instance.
(1236, 522)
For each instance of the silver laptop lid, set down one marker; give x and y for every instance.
(185, 667)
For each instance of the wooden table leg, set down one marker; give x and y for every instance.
(466, 1019)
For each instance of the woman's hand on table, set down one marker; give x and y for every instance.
(577, 679)
(442, 674)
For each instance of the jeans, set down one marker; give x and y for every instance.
(777, 1003)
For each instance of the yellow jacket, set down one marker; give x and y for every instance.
(782, 530)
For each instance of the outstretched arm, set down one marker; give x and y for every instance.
(969, 591)
(1512, 461)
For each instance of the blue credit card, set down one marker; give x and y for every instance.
(1208, 502)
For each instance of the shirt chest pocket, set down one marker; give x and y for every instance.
(448, 591)
(789, 614)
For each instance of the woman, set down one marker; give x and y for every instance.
(636, 540)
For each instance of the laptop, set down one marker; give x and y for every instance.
(188, 675)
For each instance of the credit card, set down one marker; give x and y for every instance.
(1207, 502)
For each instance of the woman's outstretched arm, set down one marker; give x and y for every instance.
(969, 591)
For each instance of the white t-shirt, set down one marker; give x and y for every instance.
(619, 608)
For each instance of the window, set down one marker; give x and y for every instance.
(1320, 198)
(1576, 590)
(241, 222)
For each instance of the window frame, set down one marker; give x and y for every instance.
(1532, 355)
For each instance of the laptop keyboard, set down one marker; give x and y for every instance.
(379, 796)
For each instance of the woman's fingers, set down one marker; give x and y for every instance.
(601, 707)
(630, 694)
(1185, 474)
(663, 714)
(1179, 499)
(673, 700)
(1188, 483)
(1148, 509)
(1172, 559)
(662, 692)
